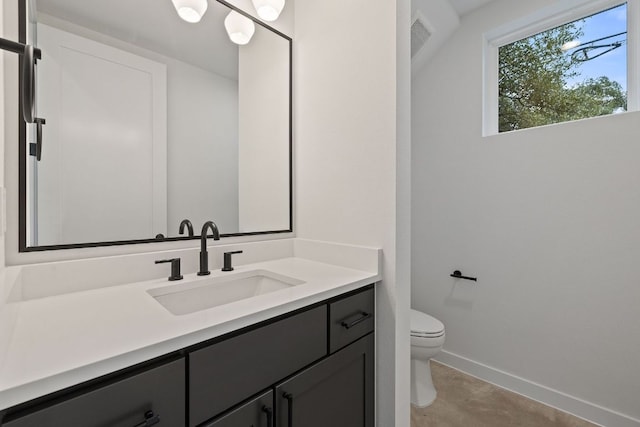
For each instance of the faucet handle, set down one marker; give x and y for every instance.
(227, 260)
(175, 268)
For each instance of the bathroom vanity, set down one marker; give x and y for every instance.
(310, 367)
(300, 356)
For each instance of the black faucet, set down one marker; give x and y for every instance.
(227, 260)
(204, 255)
(187, 223)
(175, 268)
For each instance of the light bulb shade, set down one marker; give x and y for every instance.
(239, 28)
(268, 10)
(190, 10)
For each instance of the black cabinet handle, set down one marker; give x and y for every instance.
(149, 420)
(269, 413)
(28, 84)
(39, 122)
(363, 316)
(289, 398)
(27, 91)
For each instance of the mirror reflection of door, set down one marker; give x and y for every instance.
(103, 175)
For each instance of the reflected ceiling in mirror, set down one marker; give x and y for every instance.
(150, 121)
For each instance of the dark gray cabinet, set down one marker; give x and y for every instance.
(132, 401)
(230, 371)
(258, 412)
(312, 367)
(336, 392)
(351, 318)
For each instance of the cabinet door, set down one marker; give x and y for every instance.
(257, 412)
(336, 392)
(138, 399)
(226, 373)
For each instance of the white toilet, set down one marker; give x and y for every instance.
(427, 338)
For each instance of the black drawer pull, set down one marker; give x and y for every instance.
(363, 316)
(149, 420)
(269, 413)
(289, 398)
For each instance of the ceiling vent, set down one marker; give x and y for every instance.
(419, 34)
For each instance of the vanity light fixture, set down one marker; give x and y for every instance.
(190, 10)
(239, 28)
(268, 10)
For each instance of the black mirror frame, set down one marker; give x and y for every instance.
(22, 158)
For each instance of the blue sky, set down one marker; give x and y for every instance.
(612, 64)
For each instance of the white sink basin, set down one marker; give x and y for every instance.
(203, 293)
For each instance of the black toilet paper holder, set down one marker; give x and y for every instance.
(458, 275)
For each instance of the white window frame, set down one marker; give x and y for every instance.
(563, 12)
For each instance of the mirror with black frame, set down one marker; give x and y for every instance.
(150, 120)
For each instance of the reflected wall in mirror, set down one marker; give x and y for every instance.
(151, 120)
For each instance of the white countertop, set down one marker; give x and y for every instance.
(62, 340)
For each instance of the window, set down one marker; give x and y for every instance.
(573, 69)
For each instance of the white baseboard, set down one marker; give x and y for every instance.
(562, 401)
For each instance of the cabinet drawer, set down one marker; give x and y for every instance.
(233, 370)
(257, 412)
(351, 318)
(121, 404)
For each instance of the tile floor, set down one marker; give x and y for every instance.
(465, 401)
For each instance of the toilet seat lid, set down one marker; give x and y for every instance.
(424, 325)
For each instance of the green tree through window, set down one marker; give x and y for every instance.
(534, 86)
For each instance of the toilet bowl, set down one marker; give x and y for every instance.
(427, 338)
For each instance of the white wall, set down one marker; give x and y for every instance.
(403, 211)
(202, 149)
(2, 138)
(263, 136)
(546, 218)
(351, 150)
(440, 19)
(9, 119)
(6, 326)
